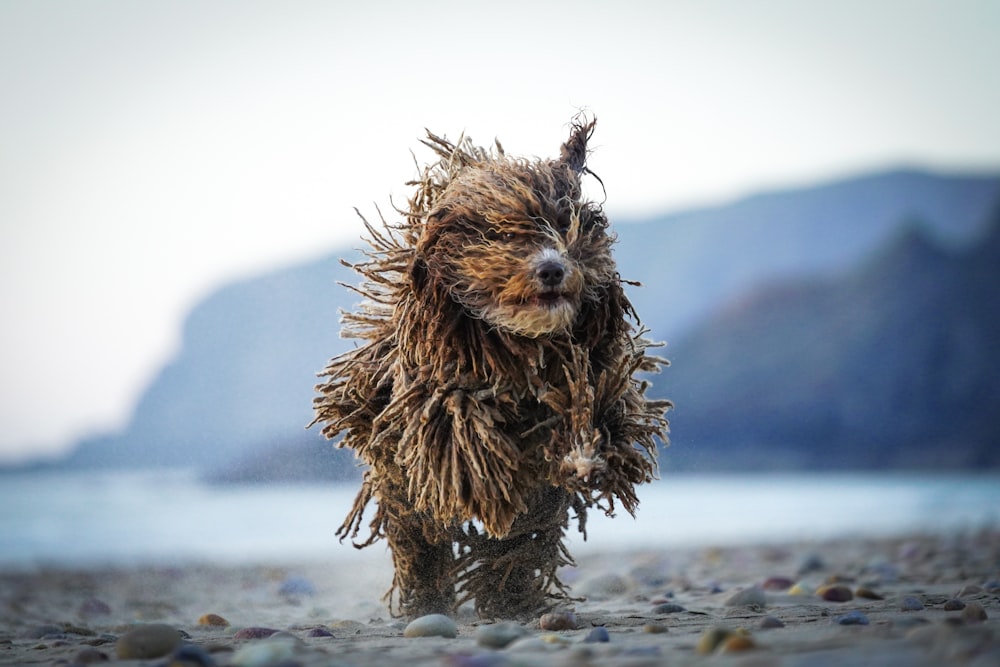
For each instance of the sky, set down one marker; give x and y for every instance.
(151, 152)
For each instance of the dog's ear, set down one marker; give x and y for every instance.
(573, 153)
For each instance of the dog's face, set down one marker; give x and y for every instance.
(513, 244)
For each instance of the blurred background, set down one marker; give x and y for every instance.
(809, 194)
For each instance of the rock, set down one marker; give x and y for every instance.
(770, 622)
(254, 632)
(296, 586)
(431, 625)
(558, 620)
(974, 613)
(89, 656)
(777, 584)
(835, 593)
(93, 607)
(500, 635)
(190, 655)
(668, 608)
(867, 594)
(319, 632)
(748, 597)
(737, 643)
(598, 635)
(153, 640)
(654, 628)
(910, 603)
(39, 631)
(811, 563)
(970, 589)
(852, 618)
(213, 620)
(800, 589)
(712, 638)
(603, 587)
(954, 605)
(274, 650)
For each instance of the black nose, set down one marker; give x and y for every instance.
(550, 273)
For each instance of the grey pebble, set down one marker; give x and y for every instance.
(753, 596)
(597, 635)
(954, 605)
(852, 618)
(910, 603)
(154, 640)
(499, 635)
(668, 608)
(769, 622)
(431, 625)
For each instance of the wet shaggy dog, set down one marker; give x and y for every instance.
(494, 391)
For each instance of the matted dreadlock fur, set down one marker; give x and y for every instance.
(494, 389)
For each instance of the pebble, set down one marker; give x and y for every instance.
(991, 586)
(213, 620)
(94, 607)
(254, 632)
(499, 635)
(748, 597)
(319, 632)
(603, 587)
(668, 608)
(431, 625)
(712, 638)
(867, 594)
(148, 641)
(777, 584)
(190, 655)
(970, 589)
(597, 635)
(800, 589)
(974, 613)
(272, 651)
(654, 628)
(852, 618)
(737, 643)
(910, 603)
(769, 622)
(835, 593)
(530, 645)
(89, 656)
(39, 631)
(295, 585)
(811, 563)
(954, 605)
(558, 620)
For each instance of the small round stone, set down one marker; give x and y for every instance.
(295, 586)
(278, 649)
(954, 605)
(319, 632)
(777, 584)
(558, 620)
(499, 635)
(190, 655)
(737, 643)
(770, 622)
(711, 638)
(668, 608)
(254, 632)
(970, 589)
(154, 640)
(213, 620)
(431, 625)
(835, 593)
(910, 603)
(89, 656)
(654, 628)
(748, 597)
(974, 613)
(852, 618)
(800, 589)
(94, 607)
(867, 594)
(597, 635)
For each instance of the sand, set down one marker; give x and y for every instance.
(932, 600)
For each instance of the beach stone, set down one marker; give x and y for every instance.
(835, 593)
(712, 638)
(254, 632)
(668, 608)
(319, 632)
(748, 597)
(603, 587)
(777, 584)
(213, 620)
(39, 631)
(954, 605)
(991, 586)
(654, 628)
(154, 640)
(867, 594)
(295, 586)
(974, 613)
(910, 603)
(852, 618)
(500, 635)
(270, 652)
(431, 625)
(800, 589)
(597, 635)
(969, 589)
(737, 643)
(558, 620)
(811, 563)
(190, 655)
(93, 607)
(770, 622)
(89, 656)
(531, 645)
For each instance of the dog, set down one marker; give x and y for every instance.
(494, 388)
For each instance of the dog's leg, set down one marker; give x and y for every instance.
(424, 562)
(515, 577)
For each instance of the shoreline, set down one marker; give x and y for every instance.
(919, 599)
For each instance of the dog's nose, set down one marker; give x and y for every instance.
(550, 273)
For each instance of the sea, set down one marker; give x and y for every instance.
(85, 519)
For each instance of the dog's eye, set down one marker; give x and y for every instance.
(499, 235)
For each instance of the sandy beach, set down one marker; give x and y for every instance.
(913, 600)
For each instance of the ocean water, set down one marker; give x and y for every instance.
(100, 518)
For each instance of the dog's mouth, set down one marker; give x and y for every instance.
(549, 299)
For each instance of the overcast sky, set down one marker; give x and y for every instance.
(151, 151)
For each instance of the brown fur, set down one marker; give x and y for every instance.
(493, 390)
